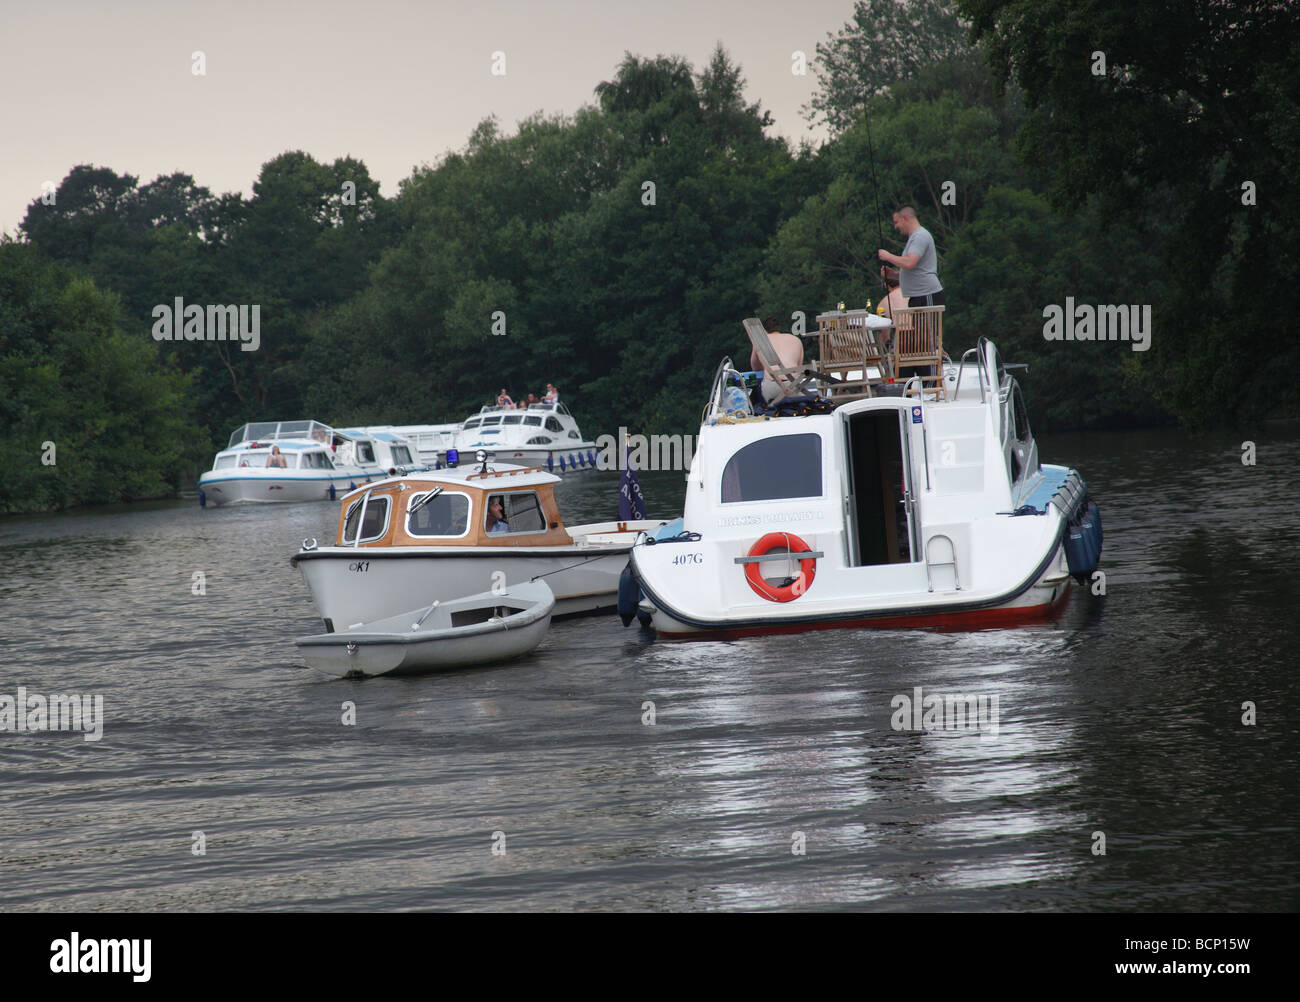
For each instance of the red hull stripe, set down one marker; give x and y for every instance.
(974, 619)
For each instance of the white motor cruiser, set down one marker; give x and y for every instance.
(429, 441)
(896, 502)
(299, 461)
(543, 434)
(436, 536)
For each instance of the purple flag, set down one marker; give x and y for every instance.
(631, 502)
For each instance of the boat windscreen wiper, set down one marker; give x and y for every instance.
(419, 503)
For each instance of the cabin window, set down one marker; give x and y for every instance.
(444, 515)
(472, 424)
(1021, 416)
(553, 424)
(494, 419)
(512, 419)
(317, 461)
(789, 466)
(540, 440)
(365, 452)
(376, 520)
(225, 462)
(523, 511)
(402, 455)
(533, 419)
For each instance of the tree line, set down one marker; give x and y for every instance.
(615, 251)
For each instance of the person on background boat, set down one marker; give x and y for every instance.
(918, 264)
(552, 394)
(789, 349)
(503, 399)
(496, 515)
(532, 399)
(275, 459)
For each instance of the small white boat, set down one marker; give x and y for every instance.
(300, 461)
(544, 434)
(406, 541)
(480, 629)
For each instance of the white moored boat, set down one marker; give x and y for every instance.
(476, 630)
(430, 441)
(544, 434)
(299, 461)
(408, 541)
(901, 504)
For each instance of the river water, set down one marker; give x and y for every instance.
(1123, 717)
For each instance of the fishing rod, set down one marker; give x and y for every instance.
(875, 193)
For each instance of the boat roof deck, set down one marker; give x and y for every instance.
(499, 476)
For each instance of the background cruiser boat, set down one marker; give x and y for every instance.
(430, 441)
(543, 435)
(883, 511)
(314, 462)
(407, 541)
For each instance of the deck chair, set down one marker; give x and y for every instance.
(918, 344)
(792, 381)
(849, 344)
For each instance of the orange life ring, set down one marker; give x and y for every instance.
(781, 593)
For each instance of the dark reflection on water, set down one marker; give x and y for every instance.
(1122, 717)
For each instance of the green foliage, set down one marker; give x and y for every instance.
(117, 416)
(1196, 99)
(1019, 257)
(622, 245)
(889, 43)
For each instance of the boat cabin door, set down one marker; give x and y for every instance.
(880, 516)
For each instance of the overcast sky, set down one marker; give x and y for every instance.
(395, 83)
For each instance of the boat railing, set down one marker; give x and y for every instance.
(551, 407)
(274, 431)
(961, 369)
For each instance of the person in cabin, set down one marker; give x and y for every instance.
(552, 394)
(276, 459)
(503, 399)
(496, 515)
(789, 349)
(918, 264)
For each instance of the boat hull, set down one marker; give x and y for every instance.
(363, 584)
(1043, 600)
(577, 458)
(223, 490)
(518, 622)
(1038, 592)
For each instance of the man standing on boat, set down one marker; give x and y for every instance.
(918, 269)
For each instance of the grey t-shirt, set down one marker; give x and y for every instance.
(923, 280)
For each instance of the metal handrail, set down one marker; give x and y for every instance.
(956, 575)
(979, 345)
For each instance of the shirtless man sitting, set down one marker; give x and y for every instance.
(789, 349)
